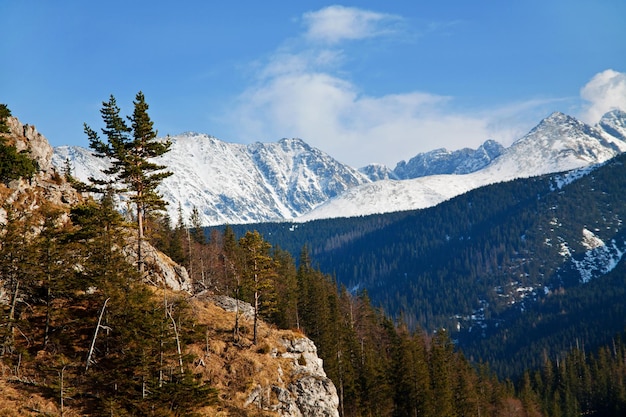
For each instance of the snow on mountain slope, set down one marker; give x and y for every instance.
(288, 179)
(393, 195)
(558, 143)
(613, 124)
(443, 161)
(234, 183)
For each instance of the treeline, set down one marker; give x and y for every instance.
(581, 383)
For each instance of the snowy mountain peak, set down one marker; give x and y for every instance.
(236, 183)
(614, 123)
(443, 161)
(558, 143)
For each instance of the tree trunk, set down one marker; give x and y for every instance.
(139, 237)
(95, 335)
(178, 349)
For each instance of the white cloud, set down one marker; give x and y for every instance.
(330, 114)
(306, 93)
(605, 92)
(337, 23)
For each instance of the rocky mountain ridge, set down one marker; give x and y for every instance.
(558, 143)
(234, 183)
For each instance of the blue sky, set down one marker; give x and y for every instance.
(368, 81)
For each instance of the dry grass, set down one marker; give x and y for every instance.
(237, 369)
(23, 402)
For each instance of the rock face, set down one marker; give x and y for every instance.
(301, 387)
(442, 161)
(312, 392)
(160, 268)
(46, 186)
(234, 183)
(27, 138)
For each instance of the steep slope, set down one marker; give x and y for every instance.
(614, 124)
(233, 183)
(558, 143)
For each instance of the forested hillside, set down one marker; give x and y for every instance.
(527, 257)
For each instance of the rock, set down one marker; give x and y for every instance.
(313, 393)
(315, 396)
(229, 304)
(27, 138)
(160, 268)
(299, 387)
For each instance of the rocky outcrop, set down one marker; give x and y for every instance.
(46, 186)
(311, 392)
(28, 139)
(160, 268)
(289, 379)
(308, 392)
(229, 304)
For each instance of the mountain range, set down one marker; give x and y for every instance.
(291, 180)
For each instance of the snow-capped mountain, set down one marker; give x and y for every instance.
(558, 143)
(288, 179)
(234, 183)
(441, 161)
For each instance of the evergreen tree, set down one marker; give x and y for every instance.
(442, 374)
(286, 287)
(197, 231)
(136, 365)
(259, 274)
(130, 149)
(5, 113)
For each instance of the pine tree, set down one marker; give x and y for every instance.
(259, 273)
(197, 232)
(442, 374)
(286, 291)
(130, 149)
(5, 113)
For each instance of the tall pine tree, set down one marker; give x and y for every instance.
(131, 150)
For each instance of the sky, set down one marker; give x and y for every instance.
(366, 81)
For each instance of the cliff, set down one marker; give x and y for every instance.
(281, 376)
